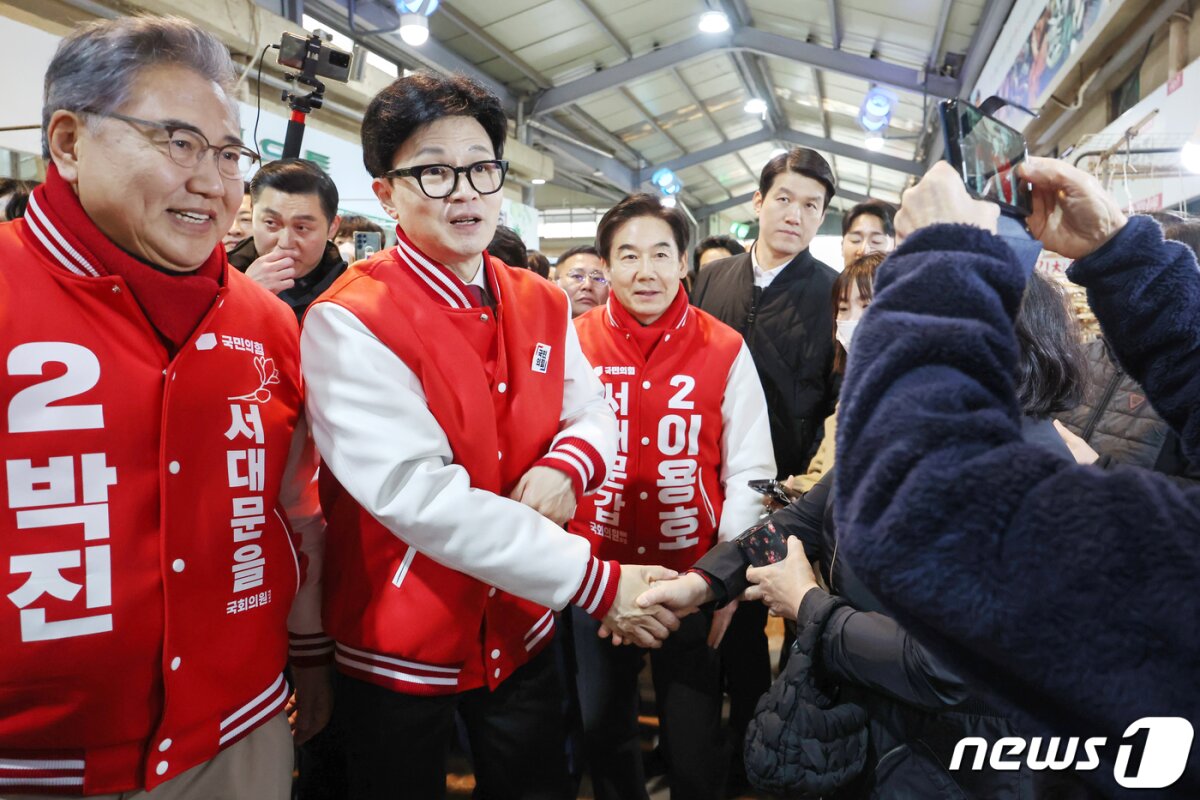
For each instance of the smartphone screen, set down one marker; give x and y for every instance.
(986, 153)
(366, 244)
(293, 50)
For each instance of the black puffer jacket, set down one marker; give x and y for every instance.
(1116, 419)
(918, 708)
(308, 288)
(789, 330)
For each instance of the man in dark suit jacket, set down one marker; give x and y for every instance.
(778, 297)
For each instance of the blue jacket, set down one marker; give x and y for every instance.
(1069, 595)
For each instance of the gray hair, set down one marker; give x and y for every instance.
(96, 66)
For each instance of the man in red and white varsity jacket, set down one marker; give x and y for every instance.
(158, 475)
(459, 424)
(693, 433)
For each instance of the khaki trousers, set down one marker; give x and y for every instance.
(258, 767)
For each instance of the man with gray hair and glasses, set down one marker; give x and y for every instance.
(159, 535)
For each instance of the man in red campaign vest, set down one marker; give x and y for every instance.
(158, 474)
(693, 431)
(459, 424)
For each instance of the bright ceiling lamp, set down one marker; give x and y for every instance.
(666, 182)
(713, 22)
(778, 151)
(538, 181)
(756, 105)
(669, 201)
(1189, 156)
(414, 20)
(876, 112)
(874, 142)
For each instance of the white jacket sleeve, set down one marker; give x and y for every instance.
(373, 427)
(746, 452)
(298, 496)
(586, 445)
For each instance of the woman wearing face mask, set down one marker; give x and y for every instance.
(851, 296)
(917, 708)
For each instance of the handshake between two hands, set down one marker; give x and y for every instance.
(651, 600)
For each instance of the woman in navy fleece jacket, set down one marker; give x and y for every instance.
(1068, 594)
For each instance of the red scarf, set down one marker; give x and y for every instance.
(175, 303)
(648, 336)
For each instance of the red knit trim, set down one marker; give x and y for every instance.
(579, 461)
(693, 571)
(309, 649)
(598, 590)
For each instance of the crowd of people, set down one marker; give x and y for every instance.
(278, 495)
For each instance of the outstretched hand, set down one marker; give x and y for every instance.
(629, 622)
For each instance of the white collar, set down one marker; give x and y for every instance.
(758, 270)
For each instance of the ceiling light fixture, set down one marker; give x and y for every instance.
(875, 142)
(756, 105)
(538, 181)
(414, 20)
(713, 22)
(778, 151)
(669, 201)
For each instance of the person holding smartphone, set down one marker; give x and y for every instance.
(693, 432)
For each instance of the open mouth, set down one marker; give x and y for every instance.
(466, 221)
(192, 217)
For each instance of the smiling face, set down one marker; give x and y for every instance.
(163, 213)
(788, 217)
(454, 230)
(645, 267)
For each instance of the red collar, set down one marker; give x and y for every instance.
(442, 282)
(647, 337)
(174, 303)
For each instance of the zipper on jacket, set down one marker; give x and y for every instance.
(755, 297)
(1109, 391)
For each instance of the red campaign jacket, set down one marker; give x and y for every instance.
(662, 501)
(400, 619)
(146, 572)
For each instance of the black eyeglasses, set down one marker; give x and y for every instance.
(187, 147)
(441, 180)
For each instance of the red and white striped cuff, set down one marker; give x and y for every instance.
(579, 460)
(598, 591)
(309, 649)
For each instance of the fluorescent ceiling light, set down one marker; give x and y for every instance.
(756, 105)
(875, 143)
(713, 22)
(538, 181)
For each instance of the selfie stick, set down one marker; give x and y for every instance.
(302, 104)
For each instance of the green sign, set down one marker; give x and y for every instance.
(273, 149)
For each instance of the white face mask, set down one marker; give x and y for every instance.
(845, 332)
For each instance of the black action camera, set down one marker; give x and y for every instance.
(314, 57)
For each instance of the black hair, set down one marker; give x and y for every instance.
(409, 103)
(876, 208)
(802, 161)
(582, 249)
(507, 246)
(1052, 367)
(632, 207)
(297, 176)
(860, 272)
(354, 223)
(728, 243)
(245, 188)
(1187, 232)
(538, 263)
(18, 192)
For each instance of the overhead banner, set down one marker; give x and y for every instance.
(1040, 43)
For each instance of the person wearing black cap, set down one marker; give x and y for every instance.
(777, 297)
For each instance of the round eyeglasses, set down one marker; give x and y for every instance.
(438, 181)
(187, 147)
